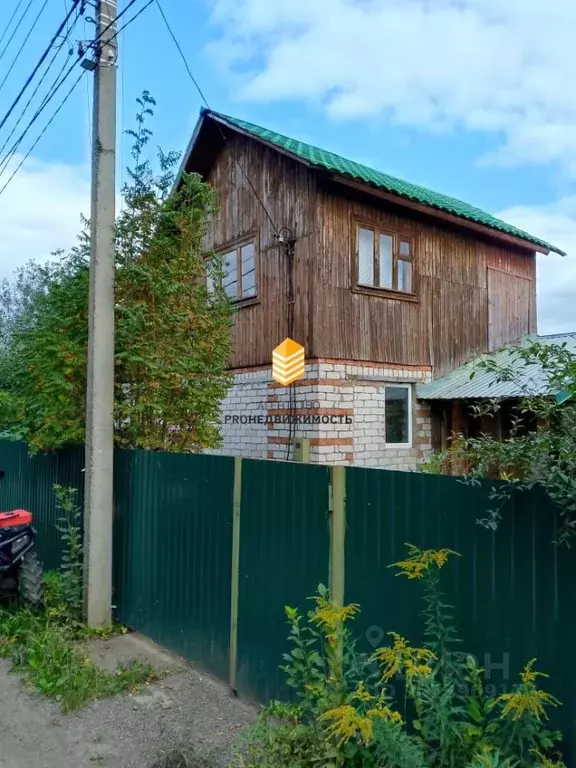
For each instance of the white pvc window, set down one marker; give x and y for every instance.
(398, 414)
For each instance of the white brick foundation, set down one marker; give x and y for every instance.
(340, 408)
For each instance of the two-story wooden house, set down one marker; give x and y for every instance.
(385, 283)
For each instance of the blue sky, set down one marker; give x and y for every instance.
(459, 95)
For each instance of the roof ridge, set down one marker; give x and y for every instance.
(319, 157)
(556, 335)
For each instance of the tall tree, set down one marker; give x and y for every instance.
(172, 336)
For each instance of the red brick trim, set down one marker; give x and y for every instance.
(330, 441)
(311, 411)
(337, 361)
(370, 364)
(316, 383)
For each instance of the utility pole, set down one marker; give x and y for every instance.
(100, 390)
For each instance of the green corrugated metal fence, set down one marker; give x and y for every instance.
(283, 558)
(512, 590)
(28, 484)
(173, 547)
(182, 521)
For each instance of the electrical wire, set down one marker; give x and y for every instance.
(37, 88)
(23, 44)
(63, 102)
(7, 27)
(16, 28)
(41, 61)
(48, 124)
(57, 84)
(205, 100)
(288, 241)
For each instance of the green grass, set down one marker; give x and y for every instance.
(47, 649)
(182, 757)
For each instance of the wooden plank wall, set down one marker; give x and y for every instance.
(509, 306)
(287, 189)
(457, 302)
(449, 322)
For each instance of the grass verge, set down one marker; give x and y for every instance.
(46, 648)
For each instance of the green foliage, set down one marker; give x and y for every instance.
(172, 337)
(540, 449)
(48, 656)
(345, 714)
(70, 527)
(46, 647)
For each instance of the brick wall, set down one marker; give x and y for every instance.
(340, 408)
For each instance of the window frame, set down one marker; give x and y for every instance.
(237, 245)
(397, 239)
(408, 387)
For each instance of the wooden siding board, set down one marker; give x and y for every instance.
(286, 189)
(446, 326)
(509, 308)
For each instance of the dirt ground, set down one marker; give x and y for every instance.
(187, 707)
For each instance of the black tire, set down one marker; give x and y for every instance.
(31, 581)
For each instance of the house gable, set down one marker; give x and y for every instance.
(263, 189)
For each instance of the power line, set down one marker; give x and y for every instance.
(7, 27)
(37, 88)
(16, 28)
(63, 102)
(41, 61)
(182, 56)
(57, 84)
(48, 124)
(40, 12)
(205, 100)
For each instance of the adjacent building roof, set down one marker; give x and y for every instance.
(328, 161)
(458, 385)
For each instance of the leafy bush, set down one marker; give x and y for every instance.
(539, 449)
(346, 717)
(46, 647)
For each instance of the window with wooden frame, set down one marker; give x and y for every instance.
(384, 260)
(239, 271)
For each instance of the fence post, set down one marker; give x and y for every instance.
(338, 534)
(302, 450)
(235, 572)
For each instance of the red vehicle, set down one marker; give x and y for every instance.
(20, 569)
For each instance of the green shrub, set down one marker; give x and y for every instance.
(46, 647)
(345, 717)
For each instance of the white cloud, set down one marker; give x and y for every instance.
(556, 289)
(40, 212)
(504, 66)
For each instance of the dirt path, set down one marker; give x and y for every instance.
(186, 707)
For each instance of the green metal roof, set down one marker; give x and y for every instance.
(531, 379)
(320, 158)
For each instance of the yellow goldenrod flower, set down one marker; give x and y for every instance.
(527, 698)
(402, 658)
(383, 711)
(361, 694)
(413, 670)
(529, 674)
(420, 560)
(346, 723)
(330, 616)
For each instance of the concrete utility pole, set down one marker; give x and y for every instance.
(100, 390)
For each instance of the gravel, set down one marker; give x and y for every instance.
(186, 708)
